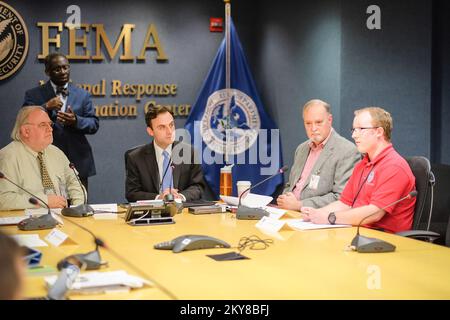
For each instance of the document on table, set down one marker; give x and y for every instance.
(40, 211)
(278, 213)
(103, 281)
(156, 202)
(275, 213)
(302, 225)
(11, 221)
(30, 240)
(251, 200)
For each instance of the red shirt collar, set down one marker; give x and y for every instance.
(378, 158)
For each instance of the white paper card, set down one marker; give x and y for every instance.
(56, 237)
(112, 207)
(275, 213)
(105, 216)
(57, 217)
(30, 240)
(270, 224)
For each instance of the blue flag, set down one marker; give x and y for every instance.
(230, 126)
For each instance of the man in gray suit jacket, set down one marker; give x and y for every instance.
(322, 165)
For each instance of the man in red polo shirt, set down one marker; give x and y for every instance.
(380, 178)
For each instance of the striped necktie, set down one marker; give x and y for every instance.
(46, 181)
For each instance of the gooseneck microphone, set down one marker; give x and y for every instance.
(247, 213)
(82, 210)
(90, 260)
(168, 197)
(365, 244)
(43, 222)
(64, 282)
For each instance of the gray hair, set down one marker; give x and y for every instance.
(317, 102)
(21, 119)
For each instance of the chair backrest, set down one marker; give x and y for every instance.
(441, 203)
(127, 152)
(447, 239)
(421, 168)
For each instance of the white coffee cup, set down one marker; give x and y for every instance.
(242, 186)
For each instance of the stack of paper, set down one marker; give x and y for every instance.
(302, 225)
(103, 281)
(11, 221)
(251, 200)
(40, 211)
(271, 224)
(29, 240)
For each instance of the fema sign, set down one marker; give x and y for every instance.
(13, 41)
(230, 123)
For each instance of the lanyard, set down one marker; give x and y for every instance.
(362, 184)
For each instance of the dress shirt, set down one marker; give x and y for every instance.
(19, 163)
(314, 153)
(63, 99)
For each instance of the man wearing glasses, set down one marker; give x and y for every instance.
(71, 110)
(322, 165)
(32, 162)
(380, 178)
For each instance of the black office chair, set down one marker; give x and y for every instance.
(127, 152)
(441, 205)
(447, 239)
(421, 168)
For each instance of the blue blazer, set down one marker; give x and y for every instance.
(71, 140)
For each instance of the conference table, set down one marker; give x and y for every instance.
(314, 264)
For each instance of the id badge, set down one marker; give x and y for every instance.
(314, 182)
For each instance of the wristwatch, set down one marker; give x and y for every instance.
(332, 218)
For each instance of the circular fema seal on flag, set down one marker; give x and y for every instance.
(13, 41)
(231, 122)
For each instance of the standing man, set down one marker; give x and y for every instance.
(32, 162)
(322, 165)
(379, 179)
(163, 166)
(70, 108)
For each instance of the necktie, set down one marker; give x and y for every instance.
(63, 91)
(46, 181)
(167, 181)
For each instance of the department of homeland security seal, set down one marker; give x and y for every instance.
(231, 122)
(13, 41)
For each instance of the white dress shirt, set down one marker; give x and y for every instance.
(160, 159)
(63, 99)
